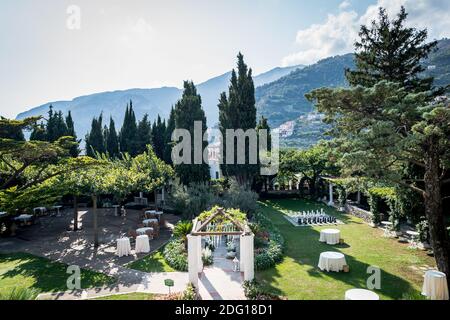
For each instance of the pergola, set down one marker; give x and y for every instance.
(201, 229)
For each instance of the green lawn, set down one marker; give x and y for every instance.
(154, 262)
(21, 270)
(298, 277)
(129, 296)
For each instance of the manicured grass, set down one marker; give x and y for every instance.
(21, 270)
(129, 296)
(298, 277)
(152, 263)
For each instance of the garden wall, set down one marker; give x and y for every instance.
(358, 212)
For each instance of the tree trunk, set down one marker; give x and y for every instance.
(435, 214)
(94, 209)
(75, 213)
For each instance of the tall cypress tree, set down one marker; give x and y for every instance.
(168, 137)
(112, 141)
(75, 150)
(187, 111)
(144, 134)
(128, 134)
(159, 136)
(94, 139)
(387, 50)
(238, 111)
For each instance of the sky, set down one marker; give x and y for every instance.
(54, 50)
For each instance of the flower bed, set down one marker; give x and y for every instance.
(176, 255)
(268, 241)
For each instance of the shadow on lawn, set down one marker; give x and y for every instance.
(45, 275)
(392, 286)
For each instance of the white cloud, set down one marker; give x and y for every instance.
(335, 36)
(345, 5)
(339, 32)
(142, 26)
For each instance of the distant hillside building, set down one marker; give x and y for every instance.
(214, 155)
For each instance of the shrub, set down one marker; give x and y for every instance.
(176, 255)
(266, 257)
(193, 199)
(190, 293)
(182, 229)
(240, 197)
(254, 291)
(20, 294)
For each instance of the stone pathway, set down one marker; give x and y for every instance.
(219, 281)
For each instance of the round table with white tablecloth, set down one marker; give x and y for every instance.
(332, 261)
(435, 285)
(24, 218)
(142, 231)
(147, 222)
(330, 236)
(142, 244)
(123, 247)
(361, 294)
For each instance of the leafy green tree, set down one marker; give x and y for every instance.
(128, 134)
(112, 141)
(387, 50)
(310, 164)
(380, 130)
(95, 141)
(188, 110)
(238, 111)
(144, 134)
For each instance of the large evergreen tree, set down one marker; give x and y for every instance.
(128, 134)
(144, 134)
(12, 132)
(188, 110)
(112, 141)
(95, 139)
(387, 50)
(238, 111)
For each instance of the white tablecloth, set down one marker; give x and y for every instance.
(435, 285)
(24, 217)
(330, 236)
(332, 261)
(361, 294)
(142, 231)
(123, 247)
(142, 244)
(146, 222)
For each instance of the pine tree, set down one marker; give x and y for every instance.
(238, 111)
(39, 133)
(112, 141)
(168, 138)
(75, 150)
(11, 132)
(187, 111)
(387, 50)
(95, 139)
(128, 133)
(144, 134)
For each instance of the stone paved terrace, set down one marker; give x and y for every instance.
(50, 238)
